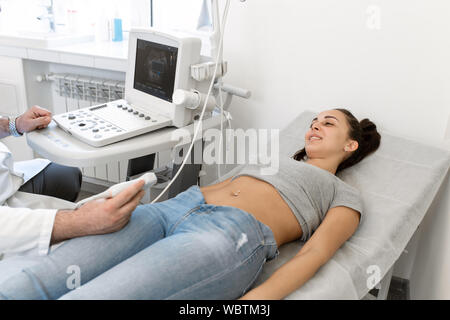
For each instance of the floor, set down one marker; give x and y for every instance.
(398, 290)
(84, 195)
(89, 189)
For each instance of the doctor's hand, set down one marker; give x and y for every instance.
(34, 118)
(98, 216)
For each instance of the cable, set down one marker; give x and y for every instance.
(227, 6)
(228, 117)
(219, 175)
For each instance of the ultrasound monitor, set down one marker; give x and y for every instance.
(159, 63)
(155, 69)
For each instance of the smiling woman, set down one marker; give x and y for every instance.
(361, 137)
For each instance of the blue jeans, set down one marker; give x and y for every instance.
(181, 248)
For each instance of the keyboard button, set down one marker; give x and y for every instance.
(71, 117)
(147, 118)
(94, 130)
(141, 115)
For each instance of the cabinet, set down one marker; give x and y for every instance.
(13, 102)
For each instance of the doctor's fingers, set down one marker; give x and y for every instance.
(129, 207)
(25, 123)
(38, 111)
(123, 214)
(41, 122)
(127, 195)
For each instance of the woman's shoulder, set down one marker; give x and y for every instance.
(346, 186)
(347, 195)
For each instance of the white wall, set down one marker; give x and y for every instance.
(176, 14)
(297, 55)
(392, 67)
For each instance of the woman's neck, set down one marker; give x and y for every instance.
(325, 164)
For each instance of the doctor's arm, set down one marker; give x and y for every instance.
(24, 230)
(339, 225)
(97, 216)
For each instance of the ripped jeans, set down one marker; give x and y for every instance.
(181, 248)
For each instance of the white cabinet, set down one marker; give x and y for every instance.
(10, 100)
(13, 102)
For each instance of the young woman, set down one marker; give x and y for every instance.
(212, 242)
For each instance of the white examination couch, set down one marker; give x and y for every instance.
(398, 183)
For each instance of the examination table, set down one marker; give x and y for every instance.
(398, 183)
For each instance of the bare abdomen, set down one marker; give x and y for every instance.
(260, 199)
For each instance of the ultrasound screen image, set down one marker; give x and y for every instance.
(155, 69)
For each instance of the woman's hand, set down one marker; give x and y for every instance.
(98, 216)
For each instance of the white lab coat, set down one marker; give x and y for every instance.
(26, 222)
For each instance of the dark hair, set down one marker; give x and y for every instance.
(364, 132)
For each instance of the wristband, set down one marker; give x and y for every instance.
(12, 127)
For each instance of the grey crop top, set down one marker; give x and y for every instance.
(308, 190)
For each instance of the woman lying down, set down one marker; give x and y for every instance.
(212, 242)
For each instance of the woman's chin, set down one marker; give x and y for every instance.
(314, 152)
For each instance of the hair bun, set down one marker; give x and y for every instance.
(366, 124)
(368, 128)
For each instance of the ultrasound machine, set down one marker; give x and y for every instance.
(159, 64)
